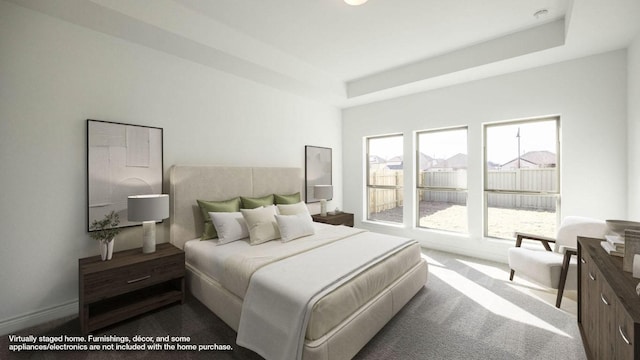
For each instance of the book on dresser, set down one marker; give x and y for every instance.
(616, 241)
(612, 249)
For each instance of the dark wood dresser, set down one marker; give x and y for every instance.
(130, 284)
(608, 306)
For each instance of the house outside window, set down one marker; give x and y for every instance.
(385, 177)
(522, 177)
(441, 181)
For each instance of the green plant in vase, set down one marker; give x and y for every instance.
(105, 231)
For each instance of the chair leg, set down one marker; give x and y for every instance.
(511, 275)
(563, 274)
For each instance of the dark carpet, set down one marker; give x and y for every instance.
(467, 310)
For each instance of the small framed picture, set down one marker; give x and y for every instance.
(317, 170)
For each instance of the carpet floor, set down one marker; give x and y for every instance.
(467, 310)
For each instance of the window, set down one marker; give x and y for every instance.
(522, 172)
(385, 178)
(441, 169)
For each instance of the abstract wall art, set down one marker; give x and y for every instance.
(122, 160)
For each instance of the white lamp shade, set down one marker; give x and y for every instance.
(323, 192)
(148, 207)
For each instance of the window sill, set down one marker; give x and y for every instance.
(383, 223)
(443, 232)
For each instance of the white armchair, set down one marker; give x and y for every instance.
(554, 268)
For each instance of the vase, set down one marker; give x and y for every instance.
(106, 249)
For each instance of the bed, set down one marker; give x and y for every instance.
(338, 320)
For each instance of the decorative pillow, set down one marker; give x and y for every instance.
(261, 223)
(293, 209)
(252, 203)
(231, 205)
(287, 199)
(294, 226)
(230, 226)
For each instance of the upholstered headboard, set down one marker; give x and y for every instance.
(188, 183)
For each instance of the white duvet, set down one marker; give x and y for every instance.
(280, 295)
(232, 264)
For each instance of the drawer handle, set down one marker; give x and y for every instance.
(592, 277)
(138, 279)
(603, 299)
(624, 337)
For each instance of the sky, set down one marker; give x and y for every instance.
(502, 142)
(501, 139)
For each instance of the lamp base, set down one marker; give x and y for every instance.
(323, 207)
(148, 237)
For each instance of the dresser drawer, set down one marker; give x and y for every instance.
(609, 307)
(111, 282)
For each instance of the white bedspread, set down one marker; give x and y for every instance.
(215, 260)
(238, 268)
(281, 295)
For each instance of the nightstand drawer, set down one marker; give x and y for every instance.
(111, 282)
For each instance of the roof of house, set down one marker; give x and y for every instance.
(457, 161)
(541, 158)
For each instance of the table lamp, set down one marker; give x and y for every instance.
(323, 192)
(148, 209)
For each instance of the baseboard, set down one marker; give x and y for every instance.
(39, 317)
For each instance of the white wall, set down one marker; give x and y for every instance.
(54, 76)
(633, 134)
(589, 95)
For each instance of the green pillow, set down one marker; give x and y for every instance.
(287, 199)
(231, 205)
(252, 203)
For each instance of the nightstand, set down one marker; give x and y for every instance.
(337, 219)
(128, 285)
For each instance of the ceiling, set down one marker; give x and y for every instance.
(355, 41)
(351, 55)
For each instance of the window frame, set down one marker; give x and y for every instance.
(368, 184)
(438, 188)
(485, 170)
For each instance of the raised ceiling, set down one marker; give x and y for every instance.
(347, 55)
(353, 42)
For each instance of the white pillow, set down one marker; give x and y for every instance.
(294, 226)
(293, 209)
(230, 226)
(262, 224)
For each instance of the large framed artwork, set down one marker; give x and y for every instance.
(317, 170)
(122, 160)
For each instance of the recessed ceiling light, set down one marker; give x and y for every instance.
(541, 13)
(355, 2)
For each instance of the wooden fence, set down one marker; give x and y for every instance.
(539, 179)
(447, 179)
(385, 199)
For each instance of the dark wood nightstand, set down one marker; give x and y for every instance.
(130, 284)
(337, 219)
